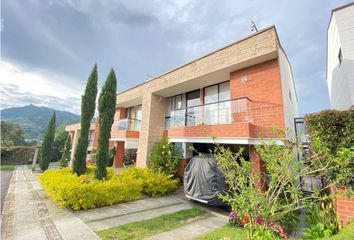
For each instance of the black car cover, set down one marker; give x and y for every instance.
(203, 180)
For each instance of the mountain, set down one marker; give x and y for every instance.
(33, 119)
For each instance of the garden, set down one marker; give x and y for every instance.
(267, 204)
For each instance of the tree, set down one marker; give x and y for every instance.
(88, 105)
(11, 134)
(106, 109)
(59, 143)
(66, 154)
(47, 145)
(262, 210)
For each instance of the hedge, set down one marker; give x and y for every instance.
(67, 189)
(334, 128)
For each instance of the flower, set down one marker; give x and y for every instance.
(232, 215)
(259, 220)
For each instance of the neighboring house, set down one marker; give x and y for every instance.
(236, 94)
(340, 57)
(74, 133)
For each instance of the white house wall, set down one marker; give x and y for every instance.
(290, 103)
(340, 77)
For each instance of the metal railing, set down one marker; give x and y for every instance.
(222, 112)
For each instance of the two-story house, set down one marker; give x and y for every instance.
(235, 94)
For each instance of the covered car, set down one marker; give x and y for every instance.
(204, 180)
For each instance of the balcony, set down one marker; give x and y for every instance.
(224, 112)
(128, 124)
(126, 128)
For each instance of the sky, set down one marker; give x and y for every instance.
(48, 47)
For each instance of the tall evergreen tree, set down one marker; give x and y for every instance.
(88, 105)
(106, 109)
(47, 145)
(65, 158)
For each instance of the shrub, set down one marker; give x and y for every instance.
(154, 184)
(332, 139)
(84, 192)
(164, 158)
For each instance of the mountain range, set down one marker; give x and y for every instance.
(34, 119)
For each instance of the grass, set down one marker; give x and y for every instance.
(146, 228)
(226, 232)
(7, 167)
(347, 233)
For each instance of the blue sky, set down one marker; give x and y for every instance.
(49, 47)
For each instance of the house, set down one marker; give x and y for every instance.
(236, 94)
(340, 57)
(74, 133)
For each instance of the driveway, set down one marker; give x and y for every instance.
(5, 182)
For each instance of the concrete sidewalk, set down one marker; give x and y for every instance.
(27, 214)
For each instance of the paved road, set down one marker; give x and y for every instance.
(5, 181)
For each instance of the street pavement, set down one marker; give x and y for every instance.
(5, 182)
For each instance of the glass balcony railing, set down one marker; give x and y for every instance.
(127, 124)
(208, 114)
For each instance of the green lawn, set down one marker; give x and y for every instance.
(226, 232)
(7, 167)
(346, 233)
(146, 228)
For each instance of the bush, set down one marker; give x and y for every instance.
(164, 158)
(154, 184)
(334, 128)
(84, 192)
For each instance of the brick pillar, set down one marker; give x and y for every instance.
(152, 126)
(96, 134)
(257, 166)
(118, 159)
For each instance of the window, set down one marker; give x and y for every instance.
(217, 109)
(193, 108)
(340, 56)
(290, 95)
(134, 115)
(90, 139)
(175, 111)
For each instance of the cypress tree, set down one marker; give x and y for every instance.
(65, 158)
(88, 105)
(47, 145)
(106, 109)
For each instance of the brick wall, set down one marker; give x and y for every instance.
(345, 207)
(119, 158)
(222, 130)
(263, 88)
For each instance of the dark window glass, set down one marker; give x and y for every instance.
(193, 98)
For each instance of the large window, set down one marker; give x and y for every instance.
(187, 110)
(217, 108)
(133, 118)
(175, 111)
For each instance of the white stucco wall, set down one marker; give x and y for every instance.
(290, 101)
(340, 76)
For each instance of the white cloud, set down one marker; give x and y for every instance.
(37, 85)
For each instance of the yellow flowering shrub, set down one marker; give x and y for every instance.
(84, 192)
(154, 184)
